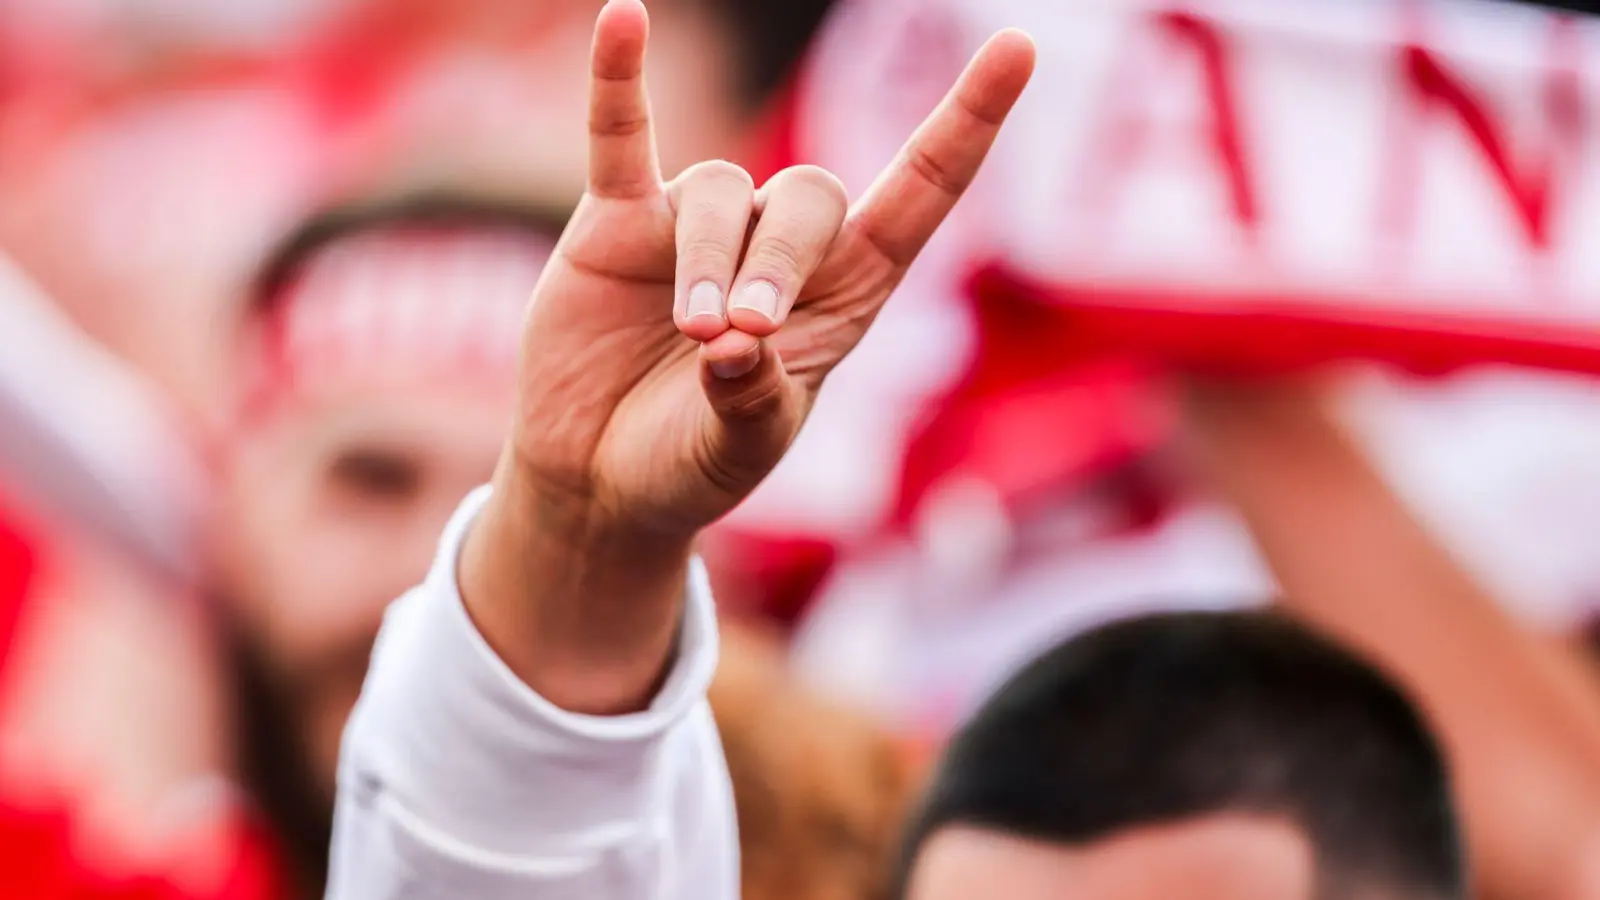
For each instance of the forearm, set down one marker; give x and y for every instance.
(1347, 553)
(585, 617)
(1524, 736)
(457, 779)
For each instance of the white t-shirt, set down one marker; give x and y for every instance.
(457, 780)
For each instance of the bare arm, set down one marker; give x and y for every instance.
(1521, 726)
(589, 624)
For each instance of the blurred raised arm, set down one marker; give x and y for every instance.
(1521, 725)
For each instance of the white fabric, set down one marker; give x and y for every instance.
(923, 644)
(457, 780)
(86, 439)
(1367, 192)
(1504, 466)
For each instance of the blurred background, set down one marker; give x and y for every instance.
(1258, 301)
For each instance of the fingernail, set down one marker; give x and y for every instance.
(738, 367)
(705, 299)
(759, 296)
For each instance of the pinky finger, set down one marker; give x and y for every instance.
(754, 410)
(743, 377)
(732, 356)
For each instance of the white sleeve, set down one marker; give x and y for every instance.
(457, 780)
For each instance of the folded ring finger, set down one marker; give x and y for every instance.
(714, 201)
(802, 210)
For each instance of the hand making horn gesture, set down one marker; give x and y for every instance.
(675, 344)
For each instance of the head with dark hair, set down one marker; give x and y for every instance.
(1195, 755)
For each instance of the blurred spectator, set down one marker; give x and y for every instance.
(990, 450)
(967, 470)
(381, 324)
(1519, 716)
(114, 750)
(125, 196)
(1222, 756)
(390, 334)
(384, 396)
(1042, 472)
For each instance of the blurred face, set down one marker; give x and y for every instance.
(389, 403)
(1221, 857)
(339, 493)
(334, 513)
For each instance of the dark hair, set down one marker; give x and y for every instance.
(1170, 717)
(770, 39)
(274, 764)
(437, 208)
(1587, 7)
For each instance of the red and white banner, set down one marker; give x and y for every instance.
(1272, 182)
(1224, 182)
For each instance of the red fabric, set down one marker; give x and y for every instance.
(1035, 415)
(770, 577)
(37, 858)
(17, 565)
(1262, 335)
(773, 144)
(38, 862)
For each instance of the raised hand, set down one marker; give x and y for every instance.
(667, 366)
(679, 335)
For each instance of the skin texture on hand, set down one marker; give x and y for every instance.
(666, 366)
(1521, 724)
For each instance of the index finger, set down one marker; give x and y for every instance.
(912, 197)
(622, 147)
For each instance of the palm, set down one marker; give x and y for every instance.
(603, 326)
(616, 407)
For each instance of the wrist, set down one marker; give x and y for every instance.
(585, 612)
(599, 546)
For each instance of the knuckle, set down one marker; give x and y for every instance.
(776, 256)
(935, 172)
(758, 401)
(621, 125)
(760, 422)
(719, 172)
(707, 254)
(820, 180)
(812, 180)
(726, 471)
(727, 476)
(706, 244)
(707, 220)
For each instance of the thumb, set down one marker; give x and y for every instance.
(755, 410)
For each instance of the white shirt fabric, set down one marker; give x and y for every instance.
(458, 781)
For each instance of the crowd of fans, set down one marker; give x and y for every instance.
(262, 270)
